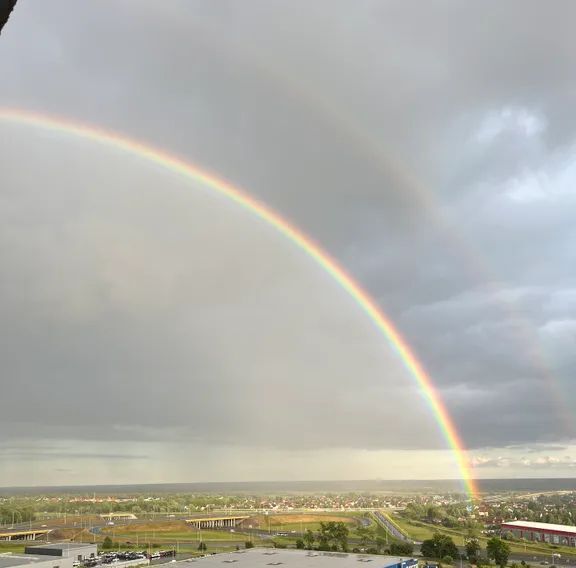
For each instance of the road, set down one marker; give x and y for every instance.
(391, 528)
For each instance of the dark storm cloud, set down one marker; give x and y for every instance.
(329, 118)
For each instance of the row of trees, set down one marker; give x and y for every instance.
(442, 547)
(331, 536)
(16, 514)
(334, 536)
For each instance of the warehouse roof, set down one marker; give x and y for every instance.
(541, 526)
(265, 557)
(12, 560)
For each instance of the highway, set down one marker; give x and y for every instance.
(383, 520)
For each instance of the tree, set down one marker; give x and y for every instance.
(299, 543)
(472, 531)
(309, 539)
(438, 547)
(333, 535)
(340, 534)
(401, 549)
(202, 547)
(365, 535)
(323, 537)
(450, 522)
(248, 544)
(372, 550)
(435, 514)
(380, 544)
(428, 549)
(472, 549)
(498, 550)
(107, 543)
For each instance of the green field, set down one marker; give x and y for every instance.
(301, 522)
(414, 529)
(298, 527)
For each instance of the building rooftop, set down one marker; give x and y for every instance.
(265, 557)
(10, 560)
(543, 526)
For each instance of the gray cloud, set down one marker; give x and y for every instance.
(435, 164)
(542, 462)
(66, 456)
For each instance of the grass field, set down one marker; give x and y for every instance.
(172, 533)
(156, 526)
(415, 530)
(167, 536)
(158, 531)
(302, 522)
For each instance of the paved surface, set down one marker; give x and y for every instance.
(382, 519)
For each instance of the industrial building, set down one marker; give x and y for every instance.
(74, 550)
(540, 532)
(31, 561)
(49, 556)
(266, 557)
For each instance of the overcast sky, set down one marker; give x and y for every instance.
(152, 331)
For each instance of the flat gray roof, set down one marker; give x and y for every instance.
(9, 560)
(285, 558)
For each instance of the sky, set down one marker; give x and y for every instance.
(153, 331)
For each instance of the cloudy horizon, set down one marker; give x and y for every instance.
(153, 331)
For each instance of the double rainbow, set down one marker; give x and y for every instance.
(292, 233)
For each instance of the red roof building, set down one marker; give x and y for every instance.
(541, 532)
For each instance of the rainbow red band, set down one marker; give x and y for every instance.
(302, 241)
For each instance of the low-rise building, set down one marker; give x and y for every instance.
(265, 558)
(75, 550)
(35, 561)
(541, 532)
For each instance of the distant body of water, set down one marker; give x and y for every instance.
(445, 485)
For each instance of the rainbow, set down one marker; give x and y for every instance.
(293, 234)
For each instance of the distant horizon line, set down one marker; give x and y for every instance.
(395, 481)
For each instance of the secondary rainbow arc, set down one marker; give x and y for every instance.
(291, 232)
